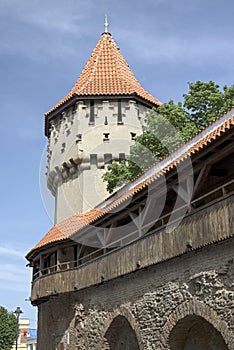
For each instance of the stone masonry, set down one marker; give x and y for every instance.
(154, 308)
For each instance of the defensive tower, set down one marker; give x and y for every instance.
(95, 123)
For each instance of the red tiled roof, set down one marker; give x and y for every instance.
(67, 227)
(73, 224)
(106, 73)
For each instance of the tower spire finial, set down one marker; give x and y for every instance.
(106, 24)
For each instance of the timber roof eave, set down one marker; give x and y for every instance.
(47, 247)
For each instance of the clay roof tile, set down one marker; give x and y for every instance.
(106, 73)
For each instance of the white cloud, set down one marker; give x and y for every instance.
(38, 32)
(161, 35)
(183, 49)
(18, 224)
(56, 15)
(12, 272)
(15, 287)
(14, 277)
(11, 252)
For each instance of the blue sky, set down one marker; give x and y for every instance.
(43, 48)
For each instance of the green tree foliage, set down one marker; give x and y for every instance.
(168, 126)
(7, 329)
(205, 101)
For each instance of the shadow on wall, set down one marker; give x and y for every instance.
(120, 336)
(194, 332)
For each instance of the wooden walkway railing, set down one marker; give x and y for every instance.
(197, 205)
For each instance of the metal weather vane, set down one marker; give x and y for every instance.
(106, 24)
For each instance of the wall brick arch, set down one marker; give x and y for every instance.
(126, 313)
(199, 309)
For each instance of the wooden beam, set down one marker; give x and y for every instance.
(201, 177)
(182, 193)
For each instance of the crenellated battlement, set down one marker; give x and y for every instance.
(67, 128)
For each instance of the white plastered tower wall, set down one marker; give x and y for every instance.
(79, 150)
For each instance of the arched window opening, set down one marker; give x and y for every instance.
(194, 332)
(120, 336)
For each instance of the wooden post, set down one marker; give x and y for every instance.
(41, 267)
(59, 259)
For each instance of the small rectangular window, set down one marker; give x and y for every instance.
(91, 117)
(106, 136)
(120, 119)
(78, 138)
